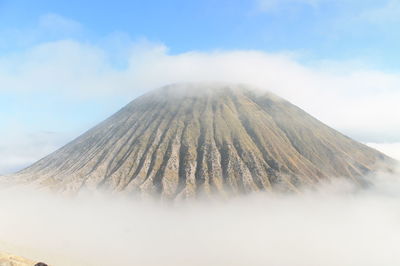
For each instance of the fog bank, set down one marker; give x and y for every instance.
(336, 225)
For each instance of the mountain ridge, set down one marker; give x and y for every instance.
(184, 140)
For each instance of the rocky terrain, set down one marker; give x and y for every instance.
(187, 140)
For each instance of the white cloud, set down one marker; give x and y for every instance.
(62, 66)
(337, 225)
(360, 99)
(357, 98)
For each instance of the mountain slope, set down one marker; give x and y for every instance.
(182, 140)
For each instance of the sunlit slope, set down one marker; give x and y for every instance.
(11, 260)
(182, 140)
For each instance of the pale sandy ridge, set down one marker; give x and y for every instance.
(12, 260)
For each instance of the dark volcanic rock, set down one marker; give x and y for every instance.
(189, 139)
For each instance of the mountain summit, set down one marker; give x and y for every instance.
(189, 139)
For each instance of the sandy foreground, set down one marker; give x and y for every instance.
(28, 256)
(12, 260)
(22, 257)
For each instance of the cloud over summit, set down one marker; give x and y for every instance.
(75, 69)
(356, 99)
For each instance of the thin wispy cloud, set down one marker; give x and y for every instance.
(343, 19)
(54, 22)
(273, 5)
(48, 27)
(75, 70)
(389, 12)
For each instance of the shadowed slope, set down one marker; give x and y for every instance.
(182, 140)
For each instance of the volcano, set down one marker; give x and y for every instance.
(186, 140)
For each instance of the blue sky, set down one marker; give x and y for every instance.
(66, 65)
(321, 28)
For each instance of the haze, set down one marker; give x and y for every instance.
(67, 65)
(338, 224)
